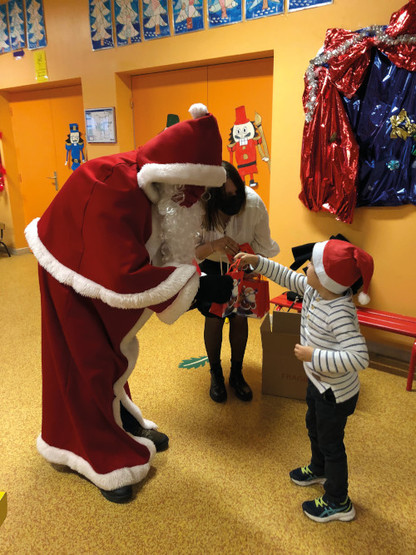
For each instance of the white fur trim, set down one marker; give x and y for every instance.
(179, 174)
(318, 264)
(182, 302)
(363, 298)
(84, 286)
(112, 480)
(198, 110)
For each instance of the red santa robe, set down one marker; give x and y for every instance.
(96, 247)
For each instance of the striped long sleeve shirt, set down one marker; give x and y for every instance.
(331, 328)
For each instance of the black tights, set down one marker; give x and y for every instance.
(213, 338)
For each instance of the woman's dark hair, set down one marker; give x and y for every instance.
(217, 194)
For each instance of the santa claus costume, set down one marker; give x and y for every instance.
(106, 263)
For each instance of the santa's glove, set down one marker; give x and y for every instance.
(212, 289)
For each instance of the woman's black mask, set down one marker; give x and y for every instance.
(231, 205)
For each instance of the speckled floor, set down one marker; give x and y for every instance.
(222, 486)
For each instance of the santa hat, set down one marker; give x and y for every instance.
(187, 153)
(339, 264)
(240, 116)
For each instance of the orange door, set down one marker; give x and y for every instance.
(40, 122)
(222, 88)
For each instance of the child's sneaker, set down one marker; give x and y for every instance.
(320, 510)
(303, 476)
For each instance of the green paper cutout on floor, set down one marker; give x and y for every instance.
(195, 362)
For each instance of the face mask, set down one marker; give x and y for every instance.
(231, 205)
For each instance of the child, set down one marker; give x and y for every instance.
(333, 351)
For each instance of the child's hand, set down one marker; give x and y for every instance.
(303, 352)
(247, 259)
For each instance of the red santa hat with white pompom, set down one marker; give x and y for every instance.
(339, 264)
(186, 153)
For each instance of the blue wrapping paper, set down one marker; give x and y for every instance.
(383, 118)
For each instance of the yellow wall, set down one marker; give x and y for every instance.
(293, 39)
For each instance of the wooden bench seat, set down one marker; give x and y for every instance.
(377, 319)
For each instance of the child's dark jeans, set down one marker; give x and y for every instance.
(325, 421)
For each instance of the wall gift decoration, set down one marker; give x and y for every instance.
(101, 24)
(36, 35)
(127, 19)
(4, 30)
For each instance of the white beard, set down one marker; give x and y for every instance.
(179, 227)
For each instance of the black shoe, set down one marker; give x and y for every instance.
(131, 425)
(119, 495)
(160, 440)
(241, 388)
(217, 391)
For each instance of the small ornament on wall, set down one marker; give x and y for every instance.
(263, 8)
(155, 19)
(126, 13)
(17, 24)
(224, 12)
(294, 5)
(35, 21)
(4, 30)
(188, 16)
(101, 24)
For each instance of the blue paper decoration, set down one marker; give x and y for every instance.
(188, 16)
(101, 24)
(35, 21)
(303, 4)
(4, 30)
(17, 24)
(155, 19)
(224, 12)
(263, 8)
(127, 19)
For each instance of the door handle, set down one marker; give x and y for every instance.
(55, 180)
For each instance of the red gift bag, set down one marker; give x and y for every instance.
(254, 298)
(225, 309)
(250, 296)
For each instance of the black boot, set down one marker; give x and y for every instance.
(238, 383)
(131, 425)
(217, 391)
(119, 495)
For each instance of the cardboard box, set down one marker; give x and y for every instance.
(3, 506)
(282, 372)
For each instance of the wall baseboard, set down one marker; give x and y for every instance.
(387, 358)
(24, 250)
